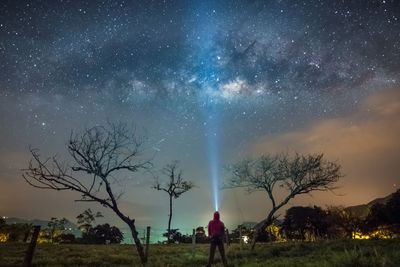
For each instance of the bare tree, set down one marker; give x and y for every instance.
(175, 186)
(298, 174)
(98, 155)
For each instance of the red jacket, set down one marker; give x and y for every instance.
(216, 228)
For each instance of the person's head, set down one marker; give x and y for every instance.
(216, 216)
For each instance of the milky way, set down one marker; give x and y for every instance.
(184, 71)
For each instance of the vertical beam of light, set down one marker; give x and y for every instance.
(205, 18)
(213, 152)
(211, 114)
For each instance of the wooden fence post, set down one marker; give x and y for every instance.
(31, 249)
(193, 241)
(147, 242)
(240, 236)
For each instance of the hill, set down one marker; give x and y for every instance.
(363, 209)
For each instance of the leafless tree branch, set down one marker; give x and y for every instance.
(97, 153)
(298, 174)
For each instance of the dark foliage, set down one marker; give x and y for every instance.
(86, 219)
(103, 234)
(173, 236)
(55, 228)
(303, 223)
(344, 222)
(201, 236)
(17, 232)
(66, 238)
(393, 208)
(384, 214)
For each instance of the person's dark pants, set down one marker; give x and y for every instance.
(216, 242)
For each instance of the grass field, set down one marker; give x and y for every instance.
(328, 253)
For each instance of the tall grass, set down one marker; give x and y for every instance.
(323, 253)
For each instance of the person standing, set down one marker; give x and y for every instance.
(216, 231)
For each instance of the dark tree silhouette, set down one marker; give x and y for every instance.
(103, 233)
(86, 219)
(378, 216)
(384, 214)
(344, 221)
(175, 186)
(15, 231)
(200, 235)
(300, 221)
(98, 155)
(393, 208)
(66, 238)
(173, 235)
(56, 227)
(298, 174)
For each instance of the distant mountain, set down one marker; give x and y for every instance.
(13, 220)
(70, 227)
(363, 209)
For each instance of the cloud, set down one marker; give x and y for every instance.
(366, 144)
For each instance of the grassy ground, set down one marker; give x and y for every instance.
(329, 253)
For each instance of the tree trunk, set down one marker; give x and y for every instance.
(257, 231)
(260, 227)
(136, 239)
(31, 249)
(170, 218)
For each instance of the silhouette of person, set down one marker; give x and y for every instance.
(216, 231)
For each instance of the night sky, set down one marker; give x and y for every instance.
(209, 83)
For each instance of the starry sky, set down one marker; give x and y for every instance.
(209, 83)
